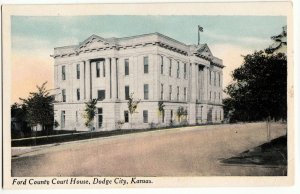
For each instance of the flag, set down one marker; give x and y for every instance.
(200, 28)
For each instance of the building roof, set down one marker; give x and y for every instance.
(95, 42)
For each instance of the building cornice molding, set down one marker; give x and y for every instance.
(154, 39)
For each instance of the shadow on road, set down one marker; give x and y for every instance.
(271, 154)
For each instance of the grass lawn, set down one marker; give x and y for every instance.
(59, 136)
(272, 154)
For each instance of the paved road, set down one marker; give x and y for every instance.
(191, 151)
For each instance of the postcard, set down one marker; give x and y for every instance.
(148, 95)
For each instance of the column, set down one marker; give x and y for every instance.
(201, 84)
(205, 83)
(113, 78)
(197, 81)
(70, 86)
(56, 82)
(190, 82)
(81, 80)
(205, 94)
(193, 95)
(221, 85)
(193, 83)
(117, 78)
(107, 78)
(88, 79)
(93, 93)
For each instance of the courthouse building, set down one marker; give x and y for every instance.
(153, 67)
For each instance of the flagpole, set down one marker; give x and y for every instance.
(200, 29)
(198, 36)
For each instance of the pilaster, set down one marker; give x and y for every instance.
(107, 78)
(88, 80)
(205, 83)
(194, 84)
(114, 78)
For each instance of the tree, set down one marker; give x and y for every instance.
(161, 108)
(181, 112)
(19, 125)
(18, 111)
(90, 112)
(260, 88)
(132, 106)
(39, 108)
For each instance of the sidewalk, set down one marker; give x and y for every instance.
(23, 151)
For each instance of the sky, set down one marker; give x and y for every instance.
(34, 38)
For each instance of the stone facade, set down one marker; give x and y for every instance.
(153, 67)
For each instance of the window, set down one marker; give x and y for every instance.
(145, 116)
(101, 95)
(219, 97)
(214, 78)
(210, 95)
(126, 92)
(210, 77)
(100, 117)
(161, 91)
(219, 79)
(63, 119)
(178, 69)
(171, 115)
(163, 116)
(146, 65)
(97, 69)
(63, 72)
(126, 66)
(103, 68)
(170, 67)
(170, 92)
(177, 93)
(64, 95)
(78, 71)
(76, 116)
(126, 116)
(184, 69)
(184, 93)
(78, 94)
(146, 91)
(161, 65)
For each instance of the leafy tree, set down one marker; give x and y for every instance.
(39, 108)
(18, 115)
(260, 87)
(18, 111)
(90, 112)
(181, 112)
(132, 105)
(161, 106)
